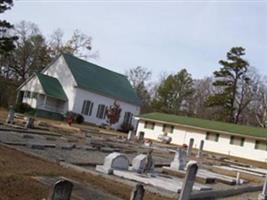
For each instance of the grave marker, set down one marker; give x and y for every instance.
(200, 149)
(11, 115)
(29, 122)
(138, 192)
(189, 180)
(149, 162)
(62, 190)
(263, 194)
(179, 161)
(114, 161)
(189, 150)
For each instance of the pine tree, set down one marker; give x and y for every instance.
(228, 82)
(6, 40)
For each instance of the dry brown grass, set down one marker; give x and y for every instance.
(3, 114)
(17, 169)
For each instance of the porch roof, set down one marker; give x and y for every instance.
(52, 87)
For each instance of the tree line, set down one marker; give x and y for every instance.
(234, 93)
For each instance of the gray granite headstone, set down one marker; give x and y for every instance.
(62, 190)
(201, 146)
(179, 161)
(189, 180)
(11, 115)
(29, 122)
(139, 163)
(138, 192)
(149, 163)
(263, 194)
(190, 146)
(130, 135)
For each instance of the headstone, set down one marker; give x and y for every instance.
(149, 162)
(139, 163)
(237, 180)
(189, 180)
(140, 136)
(29, 122)
(263, 194)
(115, 161)
(62, 190)
(130, 135)
(179, 161)
(201, 146)
(190, 146)
(138, 192)
(11, 115)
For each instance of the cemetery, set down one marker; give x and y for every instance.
(122, 167)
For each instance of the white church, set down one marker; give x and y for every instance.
(75, 85)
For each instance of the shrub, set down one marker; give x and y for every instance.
(78, 118)
(23, 108)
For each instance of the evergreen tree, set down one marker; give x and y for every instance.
(6, 40)
(228, 81)
(173, 93)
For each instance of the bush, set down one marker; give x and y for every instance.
(78, 118)
(126, 127)
(23, 108)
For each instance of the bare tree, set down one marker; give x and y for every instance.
(31, 52)
(79, 44)
(248, 88)
(203, 89)
(139, 78)
(258, 108)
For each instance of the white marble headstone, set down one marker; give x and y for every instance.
(139, 163)
(116, 161)
(179, 161)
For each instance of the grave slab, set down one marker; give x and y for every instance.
(168, 183)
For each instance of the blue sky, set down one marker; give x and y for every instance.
(164, 36)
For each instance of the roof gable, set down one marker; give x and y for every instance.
(208, 124)
(101, 80)
(52, 86)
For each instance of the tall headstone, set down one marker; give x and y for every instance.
(179, 161)
(11, 115)
(189, 180)
(149, 163)
(138, 192)
(263, 194)
(29, 122)
(237, 179)
(190, 146)
(62, 190)
(130, 135)
(201, 146)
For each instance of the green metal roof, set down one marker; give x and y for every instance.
(208, 124)
(52, 87)
(100, 80)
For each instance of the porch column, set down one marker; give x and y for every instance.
(45, 100)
